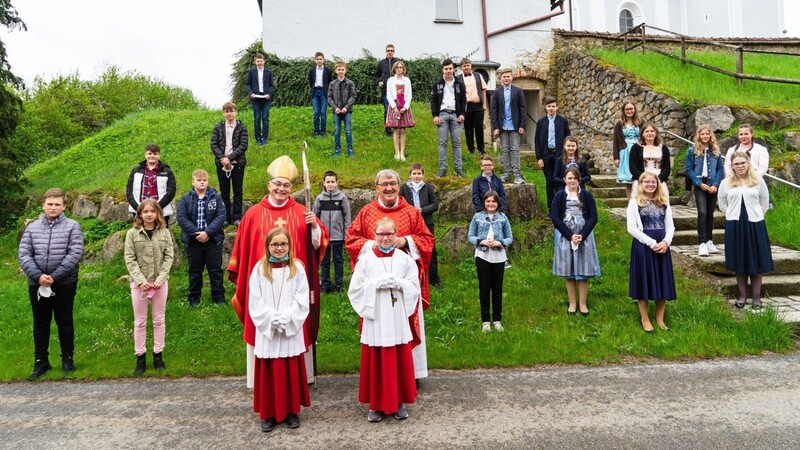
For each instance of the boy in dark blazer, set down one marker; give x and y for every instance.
(508, 123)
(422, 196)
(319, 77)
(260, 89)
(549, 143)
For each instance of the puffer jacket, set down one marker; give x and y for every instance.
(51, 248)
(148, 259)
(165, 180)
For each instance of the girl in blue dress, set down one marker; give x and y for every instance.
(626, 133)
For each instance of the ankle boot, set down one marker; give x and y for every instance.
(141, 363)
(158, 363)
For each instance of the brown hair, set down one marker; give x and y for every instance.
(258, 56)
(635, 119)
(318, 54)
(398, 63)
(229, 106)
(565, 158)
(340, 64)
(266, 269)
(55, 193)
(416, 166)
(549, 99)
(487, 157)
(153, 148)
(656, 141)
(492, 194)
(465, 61)
(137, 219)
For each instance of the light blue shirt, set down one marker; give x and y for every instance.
(508, 124)
(551, 132)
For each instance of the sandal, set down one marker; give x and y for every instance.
(756, 306)
(740, 303)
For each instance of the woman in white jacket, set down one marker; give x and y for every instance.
(279, 306)
(650, 224)
(744, 198)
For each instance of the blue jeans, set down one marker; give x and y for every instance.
(261, 118)
(334, 249)
(319, 102)
(337, 132)
(449, 125)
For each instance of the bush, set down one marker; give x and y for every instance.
(291, 76)
(65, 110)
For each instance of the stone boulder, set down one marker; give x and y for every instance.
(112, 246)
(792, 140)
(521, 203)
(790, 171)
(110, 211)
(358, 199)
(83, 207)
(719, 117)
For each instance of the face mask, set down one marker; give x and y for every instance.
(386, 250)
(282, 259)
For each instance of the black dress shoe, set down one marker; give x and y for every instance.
(268, 425)
(67, 364)
(40, 367)
(292, 421)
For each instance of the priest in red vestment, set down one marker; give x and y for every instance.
(412, 237)
(277, 209)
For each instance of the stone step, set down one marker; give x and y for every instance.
(623, 202)
(689, 237)
(685, 218)
(786, 261)
(609, 192)
(772, 286)
(604, 181)
(787, 307)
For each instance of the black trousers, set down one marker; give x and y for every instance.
(237, 180)
(549, 185)
(473, 124)
(205, 255)
(706, 204)
(490, 284)
(433, 268)
(334, 251)
(44, 309)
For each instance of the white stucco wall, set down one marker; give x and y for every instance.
(344, 29)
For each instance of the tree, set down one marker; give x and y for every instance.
(10, 107)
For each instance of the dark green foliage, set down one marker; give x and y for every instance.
(10, 107)
(291, 76)
(66, 110)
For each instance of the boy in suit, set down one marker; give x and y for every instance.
(260, 89)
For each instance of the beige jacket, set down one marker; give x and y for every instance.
(148, 259)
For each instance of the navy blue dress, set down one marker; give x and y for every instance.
(747, 248)
(651, 276)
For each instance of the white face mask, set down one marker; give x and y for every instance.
(45, 291)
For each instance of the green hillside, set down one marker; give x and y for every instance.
(207, 341)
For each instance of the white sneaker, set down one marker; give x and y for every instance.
(703, 250)
(487, 327)
(711, 247)
(498, 326)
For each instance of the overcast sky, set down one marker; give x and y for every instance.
(184, 42)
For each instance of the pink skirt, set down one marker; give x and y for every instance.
(396, 120)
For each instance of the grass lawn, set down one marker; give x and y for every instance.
(691, 83)
(207, 341)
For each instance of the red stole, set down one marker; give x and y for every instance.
(248, 249)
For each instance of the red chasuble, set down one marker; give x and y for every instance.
(409, 222)
(248, 249)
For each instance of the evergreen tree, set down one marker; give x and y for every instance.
(10, 107)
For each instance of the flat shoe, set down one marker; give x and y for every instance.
(740, 303)
(663, 327)
(292, 421)
(402, 413)
(646, 330)
(374, 416)
(268, 425)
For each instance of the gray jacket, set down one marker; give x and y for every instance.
(51, 248)
(333, 209)
(344, 97)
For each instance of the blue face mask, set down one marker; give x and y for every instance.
(282, 259)
(386, 249)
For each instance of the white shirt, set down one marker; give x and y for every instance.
(260, 80)
(318, 78)
(449, 95)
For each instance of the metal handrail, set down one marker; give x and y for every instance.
(766, 175)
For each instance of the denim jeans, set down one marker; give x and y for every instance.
(319, 102)
(334, 250)
(233, 211)
(261, 118)
(509, 141)
(449, 126)
(337, 132)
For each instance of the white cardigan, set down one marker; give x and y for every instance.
(759, 159)
(756, 200)
(264, 307)
(635, 226)
(391, 91)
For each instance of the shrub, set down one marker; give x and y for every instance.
(63, 111)
(291, 76)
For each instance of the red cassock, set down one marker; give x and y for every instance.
(409, 222)
(248, 249)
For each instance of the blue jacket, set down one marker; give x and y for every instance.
(479, 228)
(251, 83)
(215, 216)
(481, 187)
(694, 167)
(559, 208)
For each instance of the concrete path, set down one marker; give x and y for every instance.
(733, 403)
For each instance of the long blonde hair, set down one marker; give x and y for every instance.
(266, 268)
(752, 176)
(712, 143)
(660, 198)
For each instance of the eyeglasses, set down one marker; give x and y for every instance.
(388, 184)
(278, 184)
(389, 50)
(487, 165)
(739, 164)
(279, 245)
(385, 235)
